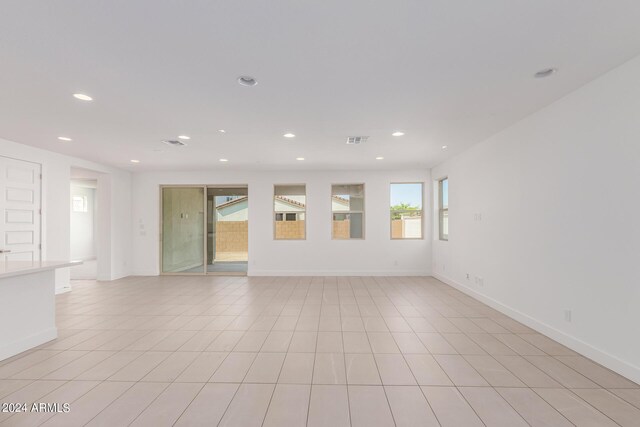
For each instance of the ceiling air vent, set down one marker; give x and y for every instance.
(174, 142)
(355, 140)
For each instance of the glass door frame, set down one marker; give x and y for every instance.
(205, 239)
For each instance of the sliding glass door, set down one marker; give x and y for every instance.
(204, 229)
(182, 238)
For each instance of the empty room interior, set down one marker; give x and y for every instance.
(319, 213)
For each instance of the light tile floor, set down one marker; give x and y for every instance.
(295, 351)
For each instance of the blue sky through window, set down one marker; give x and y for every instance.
(407, 193)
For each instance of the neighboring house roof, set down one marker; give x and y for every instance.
(231, 202)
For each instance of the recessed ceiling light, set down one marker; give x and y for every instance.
(184, 137)
(300, 158)
(64, 138)
(135, 161)
(379, 158)
(82, 97)
(289, 135)
(224, 160)
(444, 147)
(247, 81)
(545, 73)
(221, 130)
(398, 133)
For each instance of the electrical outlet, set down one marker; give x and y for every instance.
(467, 276)
(444, 267)
(567, 316)
(480, 281)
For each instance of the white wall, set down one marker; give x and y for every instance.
(318, 255)
(559, 199)
(114, 195)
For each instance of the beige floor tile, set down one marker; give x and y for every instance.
(451, 409)
(369, 407)
(435, 343)
(632, 396)
(49, 365)
(492, 409)
(10, 386)
(526, 372)
(168, 406)
(171, 367)
(303, 342)
(202, 368)
(408, 342)
(409, 407)
(329, 369)
(308, 323)
(420, 325)
(265, 368)
(490, 344)
(352, 324)
(382, 342)
(249, 406)
(493, 372)
(200, 341)
(289, 406)
(297, 368)
(426, 370)
(329, 342)
(89, 405)
(251, 341)
(573, 408)
(139, 367)
(519, 345)
(611, 405)
(397, 324)
(226, 341)
(561, 372)
(330, 324)
(329, 406)
(463, 344)
(596, 373)
(394, 370)
(129, 405)
(547, 345)
(459, 370)
(234, 368)
(148, 341)
(533, 408)
(356, 342)
(109, 366)
(277, 342)
(28, 360)
(208, 407)
(285, 323)
(361, 369)
(79, 365)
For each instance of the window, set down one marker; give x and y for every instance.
(443, 207)
(289, 206)
(79, 203)
(347, 207)
(406, 211)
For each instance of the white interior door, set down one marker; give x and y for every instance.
(20, 210)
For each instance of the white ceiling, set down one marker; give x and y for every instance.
(446, 72)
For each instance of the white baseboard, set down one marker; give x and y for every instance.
(252, 272)
(607, 360)
(23, 344)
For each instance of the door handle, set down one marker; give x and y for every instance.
(4, 251)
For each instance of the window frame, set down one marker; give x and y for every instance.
(442, 210)
(421, 212)
(364, 207)
(284, 213)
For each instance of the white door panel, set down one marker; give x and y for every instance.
(19, 210)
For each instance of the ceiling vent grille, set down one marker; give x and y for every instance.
(355, 140)
(174, 142)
